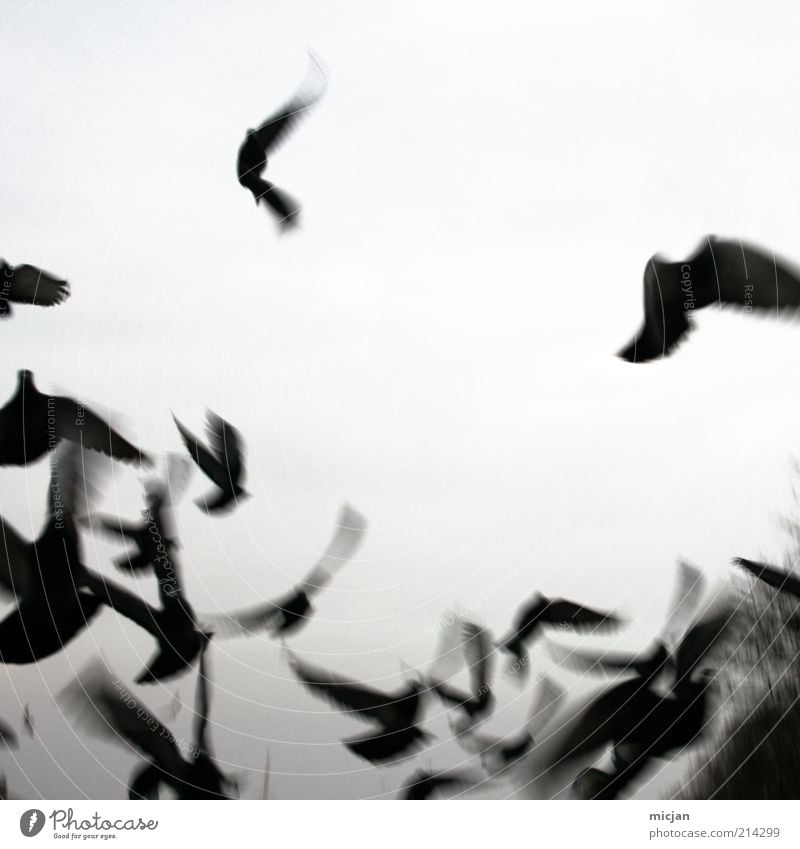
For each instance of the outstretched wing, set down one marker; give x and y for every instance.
(31, 285)
(478, 652)
(771, 575)
(559, 611)
(346, 695)
(79, 424)
(208, 463)
(343, 546)
(227, 446)
(546, 704)
(688, 592)
(754, 278)
(240, 623)
(106, 707)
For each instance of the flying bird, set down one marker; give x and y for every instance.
(497, 754)
(106, 708)
(287, 615)
(31, 424)
(223, 464)
(777, 578)
(720, 271)
(479, 702)
(8, 738)
(395, 715)
(542, 612)
(261, 143)
(426, 785)
(26, 284)
(45, 576)
(27, 721)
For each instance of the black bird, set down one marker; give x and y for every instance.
(32, 424)
(424, 785)
(26, 284)
(107, 708)
(154, 538)
(395, 714)
(542, 612)
(223, 464)
(287, 615)
(720, 271)
(46, 575)
(478, 650)
(785, 581)
(498, 754)
(173, 624)
(639, 722)
(27, 721)
(261, 143)
(658, 658)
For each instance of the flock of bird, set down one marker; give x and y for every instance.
(659, 703)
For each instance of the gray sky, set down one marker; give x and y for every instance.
(483, 184)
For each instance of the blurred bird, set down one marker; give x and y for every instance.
(777, 578)
(542, 612)
(287, 615)
(395, 714)
(26, 284)
(477, 704)
(45, 575)
(8, 738)
(425, 785)
(105, 707)
(32, 424)
(261, 143)
(27, 721)
(720, 271)
(223, 464)
(154, 538)
(498, 754)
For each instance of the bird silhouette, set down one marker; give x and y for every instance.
(720, 271)
(154, 538)
(45, 576)
(497, 754)
(26, 284)
(8, 738)
(27, 721)
(479, 702)
(777, 578)
(638, 721)
(287, 615)
(426, 785)
(542, 612)
(32, 423)
(105, 707)
(395, 714)
(223, 464)
(261, 143)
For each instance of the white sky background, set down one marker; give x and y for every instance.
(483, 184)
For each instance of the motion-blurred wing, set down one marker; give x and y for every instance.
(771, 575)
(31, 285)
(346, 541)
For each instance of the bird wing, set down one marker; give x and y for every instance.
(79, 424)
(346, 540)
(7, 736)
(559, 611)
(546, 704)
(208, 463)
(202, 702)
(449, 655)
(107, 708)
(123, 602)
(771, 575)
(116, 527)
(344, 694)
(240, 623)
(665, 324)
(15, 560)
(31, 285)
(708, 630)
(478, 652)
(685, 599)
(608, 662)
(752, 277)
(226, 443)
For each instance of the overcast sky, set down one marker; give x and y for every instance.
(482, 185)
